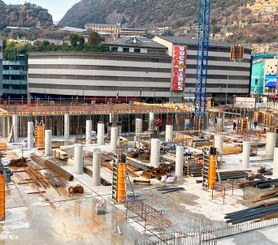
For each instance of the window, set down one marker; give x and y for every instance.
(137, 50)
(256, 81)
(126, 50)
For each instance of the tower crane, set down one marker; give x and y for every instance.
(202, 63)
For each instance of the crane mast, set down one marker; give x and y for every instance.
(202, 63)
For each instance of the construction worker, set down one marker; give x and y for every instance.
(234, 125)
(159, 124)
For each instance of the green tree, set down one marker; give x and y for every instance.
(76, 40)
(94, 38)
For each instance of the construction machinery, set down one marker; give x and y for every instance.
(202, 64)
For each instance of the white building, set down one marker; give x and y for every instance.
(224, 76)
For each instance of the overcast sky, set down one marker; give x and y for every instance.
(57, 8)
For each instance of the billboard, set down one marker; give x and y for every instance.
(270, 81)
(179, 68)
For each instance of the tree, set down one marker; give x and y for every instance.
(94, 38)
(76, 40)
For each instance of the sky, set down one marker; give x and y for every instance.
(57, 8)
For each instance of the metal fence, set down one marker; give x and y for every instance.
(209, 236)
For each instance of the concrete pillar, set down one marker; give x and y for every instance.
(66, 127)
(30, 134)
(88, 132)
(110, 117)
(3, 119)
(48, 142)
(100, 134)
(245, 155)
(169, 133)
(78, 159)
(218, 143)
(270, 144)
(138, 128)
(151, 121)
(15, 127)
(275, 164)
(9, 125)
(96, 166)
(155, 152)
(179, 161)
(114, 138)
(219, 123)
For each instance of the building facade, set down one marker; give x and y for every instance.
(225, 77)
(257, 79)
(264, 74)
(15, 78)
(1, 68)
(133, 69)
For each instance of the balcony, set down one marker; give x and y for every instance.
(14, 82)
(14, 72)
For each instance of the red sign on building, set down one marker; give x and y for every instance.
(179, 68)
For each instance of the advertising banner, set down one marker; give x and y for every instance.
(179, 68)
(270, 81)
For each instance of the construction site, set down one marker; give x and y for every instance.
(137, 174)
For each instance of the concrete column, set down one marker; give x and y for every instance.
(4, 130)
(219, 123)
(114, 138)
(78, 159)
(169, 133)
(155, 152)
(138, 128)
(9, 125)
(218, 143)
(245, 155)
(151, 121)
(270, 144)
(30, 134)
(96, 166)
(110, 117)
(100, 134)
(179, 161)
(15, 127)
(275, 164)
(88, 132)
(48, 142)
(66, 127)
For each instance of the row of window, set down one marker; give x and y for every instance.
(121, 78)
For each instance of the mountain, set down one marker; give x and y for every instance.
(244, 21)
(25, 15)
(144, 13)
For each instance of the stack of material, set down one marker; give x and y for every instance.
(264, 211)
(166, 189)
(261, 184)
(158, 172)
(20, 162)
(229, 150)
(38, 178)
(268, 195)
(193, 169)
(183, 139)
(238, 174)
